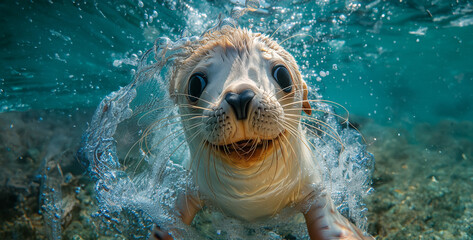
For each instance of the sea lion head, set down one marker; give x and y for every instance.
(240, 94)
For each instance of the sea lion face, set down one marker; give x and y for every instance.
(240, 95)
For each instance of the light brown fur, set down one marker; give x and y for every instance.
(245, 188)
(240, 39)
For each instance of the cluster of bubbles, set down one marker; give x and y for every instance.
(137, 189)
(146, 184)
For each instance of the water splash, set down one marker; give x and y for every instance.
(120, 188)
(139, 188)
(51, 198)
(348, 167)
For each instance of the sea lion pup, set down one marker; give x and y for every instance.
(241, 96)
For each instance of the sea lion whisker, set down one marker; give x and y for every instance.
(297, 35)
(277, 162)
(332, 132)
(144, 138)
(155, 123)
(207, 175)
(157, 144)
(290, 94)
(148, 131)
(198, 156)
(275, 31)
(345, 119)
(129, 151)
(181, 130)
(285, 162)
(227, 154)
(235, 147)
(216, 172)
(315, 134)
(275, 156)
(332, 103)
(314, 148)
(312, 119)
(263, 150)
(299, 102)
(298, 89)
(306, 117)
(214, 148)
(156, 128)
(219, 180)
(151, 111)
(284, 151)
(195, 107)
(286, 141)
(307, 128)
(253, 147)
(182, 142)
(294, 133)
(270, 166)
(200, 148)
(197, 116)
(225, 148)
(188, 95)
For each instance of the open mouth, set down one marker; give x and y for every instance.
(244, 147)
(246, 152)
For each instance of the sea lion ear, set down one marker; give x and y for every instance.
(305, 101)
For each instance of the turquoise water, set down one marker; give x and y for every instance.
(395, 63)
(391, 61)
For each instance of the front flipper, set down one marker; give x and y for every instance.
(325, 222)
(159, 234)
(187, 207)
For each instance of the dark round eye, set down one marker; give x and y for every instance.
(197, 84)
(282, 77)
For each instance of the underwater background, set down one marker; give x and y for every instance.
(403, 70)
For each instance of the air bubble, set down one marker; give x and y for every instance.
(252, 5)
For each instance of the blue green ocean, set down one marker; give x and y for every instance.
(401, 69)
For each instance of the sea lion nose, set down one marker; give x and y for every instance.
(240, 102)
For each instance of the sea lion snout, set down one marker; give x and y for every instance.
(239, 102)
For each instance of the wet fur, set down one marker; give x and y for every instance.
(277, 168)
